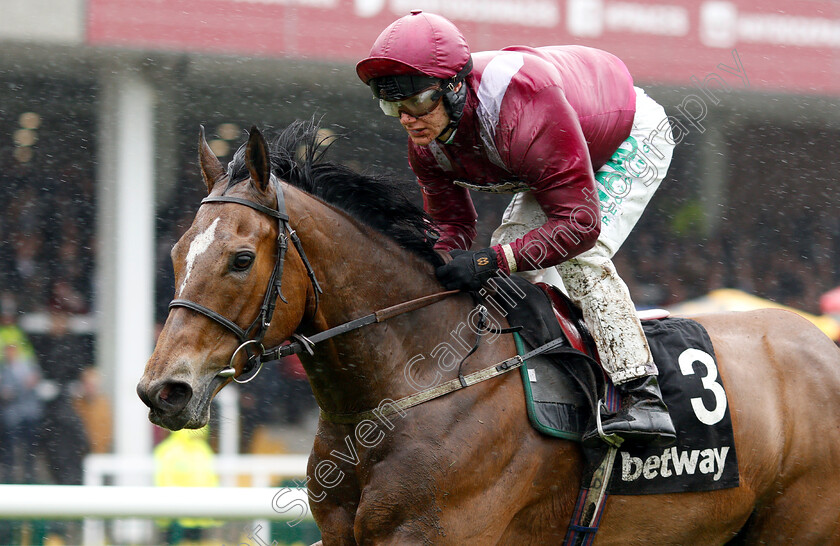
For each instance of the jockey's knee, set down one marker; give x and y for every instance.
(583, 276)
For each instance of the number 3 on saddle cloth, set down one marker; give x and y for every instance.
(563, 386)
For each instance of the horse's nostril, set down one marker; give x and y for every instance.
(142, 392)
(174, 396)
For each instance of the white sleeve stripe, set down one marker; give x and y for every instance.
(495, 80)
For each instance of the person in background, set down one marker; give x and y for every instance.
(94, 408)
(20, 410)
(10, 331)
(18, 371)
(62, 437)
(185, 459)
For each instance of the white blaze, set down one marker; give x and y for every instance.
(198, 246)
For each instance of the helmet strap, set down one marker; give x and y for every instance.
(454, 101)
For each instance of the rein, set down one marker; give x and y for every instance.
(255, 352)
(307, 343)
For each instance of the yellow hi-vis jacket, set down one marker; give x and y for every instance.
(185, 459)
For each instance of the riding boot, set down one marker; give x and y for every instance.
(642, 419)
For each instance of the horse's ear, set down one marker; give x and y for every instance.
(211, 167)
(258, 160)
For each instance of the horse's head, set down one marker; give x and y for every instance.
(227, 268)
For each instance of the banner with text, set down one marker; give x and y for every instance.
(787, 46)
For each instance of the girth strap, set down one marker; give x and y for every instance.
(592, 498)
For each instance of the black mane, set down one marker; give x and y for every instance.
(297, 157)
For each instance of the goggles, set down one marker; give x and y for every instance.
(416, 105)
(400, 87)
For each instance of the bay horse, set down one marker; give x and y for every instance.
(466, 467)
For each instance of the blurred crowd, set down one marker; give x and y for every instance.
(790, 259)
(46, 242)
(53, 411)
(52, 408)
(47, 230)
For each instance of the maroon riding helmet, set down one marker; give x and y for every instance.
(421, 55)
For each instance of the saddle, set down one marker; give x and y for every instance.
(563, 386)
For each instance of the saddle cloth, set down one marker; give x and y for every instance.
(562, 388)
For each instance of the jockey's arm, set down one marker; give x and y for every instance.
(547, 149)
(450, 206)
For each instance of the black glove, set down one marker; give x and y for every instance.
(468, 270)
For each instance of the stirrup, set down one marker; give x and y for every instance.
(612, 440)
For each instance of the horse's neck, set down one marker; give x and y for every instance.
(362, 271)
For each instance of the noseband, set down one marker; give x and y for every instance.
(251, 338)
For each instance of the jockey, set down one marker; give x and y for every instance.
(582, 150)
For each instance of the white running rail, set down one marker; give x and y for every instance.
(86, 501)
(262, 502)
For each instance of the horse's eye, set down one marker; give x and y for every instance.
(242, 261)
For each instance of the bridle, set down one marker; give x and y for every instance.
(251, 338)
